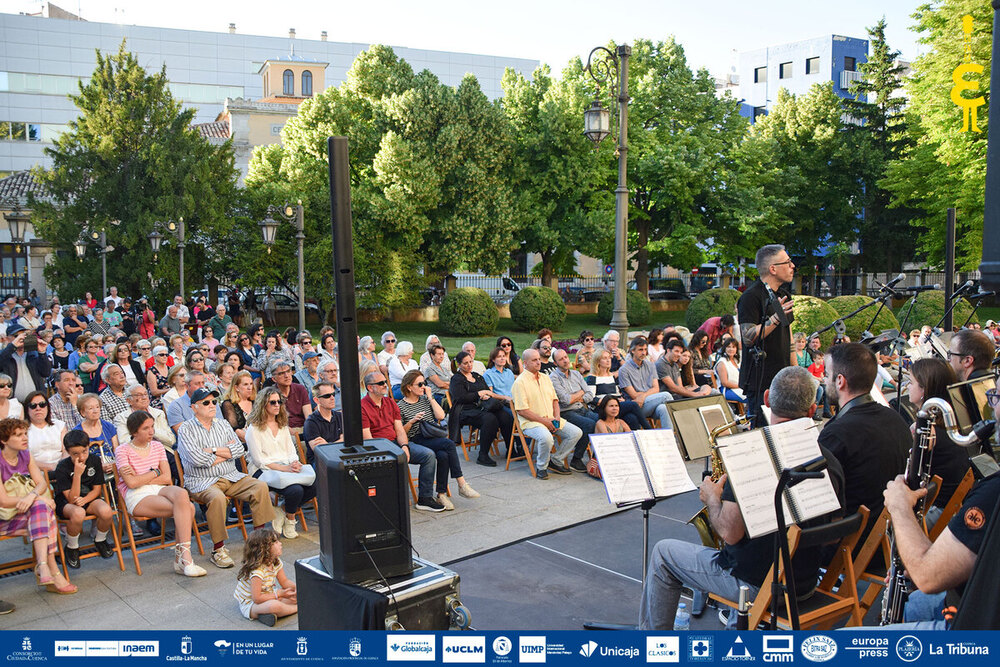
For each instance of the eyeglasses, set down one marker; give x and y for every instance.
(420, 385)
(957, 354)
(275, 401)
(505, 345)
(36, 406)
(284, 372)
(324, 396)
(197, 358)
(379, 384)
(787, 261)
(588, 339)
(5, 385)
(209, 401)
(391, 340)
(162, 354)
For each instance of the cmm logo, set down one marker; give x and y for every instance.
(909, 648)
(778, 648)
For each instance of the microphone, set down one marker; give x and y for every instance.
(772, 297)
(983, 295)
(921, 288)
(963, 289)
(895, 281)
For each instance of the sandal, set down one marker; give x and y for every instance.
(43, 579)
(65, 588)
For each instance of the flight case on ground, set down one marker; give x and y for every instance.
(425, 599)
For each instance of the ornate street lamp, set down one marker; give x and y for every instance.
(612, 68)
(269, 229)
(99, 239)
(156, 240)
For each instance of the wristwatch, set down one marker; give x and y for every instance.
(215, 450)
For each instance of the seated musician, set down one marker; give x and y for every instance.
(929, 378)
(675, 564)
(939, 569)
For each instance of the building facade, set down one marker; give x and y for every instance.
(796, 67)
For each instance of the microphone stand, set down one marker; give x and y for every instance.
(979, 302)
(887, 293)
(789, 478)
(946, 313)
(899, 350)
(840, 320)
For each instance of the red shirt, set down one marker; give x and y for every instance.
(297, 397)
(380, 420)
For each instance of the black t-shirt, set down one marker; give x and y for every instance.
(970, 525)
(62, 479)
(752, 308)
(317, 427)
(750, 559)
(951, 462)
(128, 320)
(871, 442)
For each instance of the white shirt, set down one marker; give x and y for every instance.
(161, 430)
(45, 444)
(396, 370)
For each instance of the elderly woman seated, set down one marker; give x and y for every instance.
(399, 366)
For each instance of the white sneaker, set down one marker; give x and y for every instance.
(466, 491)
(279, 521)
(221, 558)
(446, 501)
(288, 531)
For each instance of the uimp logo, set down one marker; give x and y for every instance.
(663, 649)
(700, 649)
(410, 647)
(819, 648)
(587, 650)
(502, 646)
(463, 649)
(778, 648)
(531, 649)
(909, 648)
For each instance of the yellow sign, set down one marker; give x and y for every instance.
(969, 104)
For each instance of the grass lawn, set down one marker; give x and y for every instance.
(417, 332)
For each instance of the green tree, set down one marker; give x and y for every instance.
(879, 132)
(556, 174)
(428, 187)
(682, 141)
(815, 197)
(945, 167)
(129, 159)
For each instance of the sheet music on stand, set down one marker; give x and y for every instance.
(639, 466)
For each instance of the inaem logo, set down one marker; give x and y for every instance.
(587, 650)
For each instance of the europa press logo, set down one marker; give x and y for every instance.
(909, 648)
(819, 648)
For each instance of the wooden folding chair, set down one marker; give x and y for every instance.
(152, 542)
(236, 502)
(21, 564)
(954, 504)
(91, 551)
(824, 607)
(873, 574)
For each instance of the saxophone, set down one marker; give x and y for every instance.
(716, 470)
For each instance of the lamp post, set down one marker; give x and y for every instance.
(17, 223)
(99, 239)
(613, 68)
(156, 238)
(269, 229)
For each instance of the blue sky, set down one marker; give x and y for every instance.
(552, 31)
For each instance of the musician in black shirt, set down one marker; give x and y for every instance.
(765, 315)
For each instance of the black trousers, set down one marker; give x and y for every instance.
(488, 424)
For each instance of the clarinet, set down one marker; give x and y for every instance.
(918, 474)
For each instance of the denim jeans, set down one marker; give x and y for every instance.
(653, 407)
(419, 456)
(675, 564)
(447, 459)
(569, 435)
(585, 420)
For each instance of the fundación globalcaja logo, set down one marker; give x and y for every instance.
(663, 649)
(461, 648)
(410, 647)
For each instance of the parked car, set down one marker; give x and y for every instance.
(663, 289)
(284, 302)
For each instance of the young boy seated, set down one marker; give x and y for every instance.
(77, 482)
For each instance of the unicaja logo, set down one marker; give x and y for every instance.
(587, 650)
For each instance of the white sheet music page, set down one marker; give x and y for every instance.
(621, 468)
(796, 442)
(751, 472)
(664, 464)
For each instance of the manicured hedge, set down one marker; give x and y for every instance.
(714, 302)
(534, 308)
(812, 314)
(468, 311)
(856, 325)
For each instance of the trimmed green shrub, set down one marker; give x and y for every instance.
(714, 302)
(534, 308)
(812, 314)
(929, 308)
(468, 311)
(637, 308)
(856, 325)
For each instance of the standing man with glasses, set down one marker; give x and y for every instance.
(208, 447)
(765, 315)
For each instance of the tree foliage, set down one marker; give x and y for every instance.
(879, 135)
(945, 167)
(429, 187)
(129, 159)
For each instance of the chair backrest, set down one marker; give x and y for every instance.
(953, 505)
(835, 530)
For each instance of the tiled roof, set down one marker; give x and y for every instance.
(19, 185)
(216, 130)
